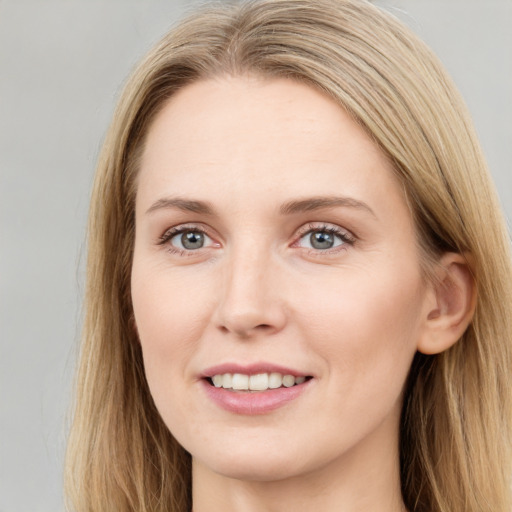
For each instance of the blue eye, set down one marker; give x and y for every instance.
(323, 239)
(189, 240)
(186, 239)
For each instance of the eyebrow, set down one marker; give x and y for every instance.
(187, 205)
(288, 208)
(319, 203)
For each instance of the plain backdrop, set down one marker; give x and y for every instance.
(62, 64)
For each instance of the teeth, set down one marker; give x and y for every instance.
(275, 380)
(288, 381)
(227, 380)
(240, 381)
(217, 380)
(258, 382)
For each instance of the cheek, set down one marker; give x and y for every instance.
(169, 304)
(170, 314)
(366, 324)
(366, 332)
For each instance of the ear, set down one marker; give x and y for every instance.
(450, 304)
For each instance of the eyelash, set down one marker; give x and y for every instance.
(166, 238)
(346, 238)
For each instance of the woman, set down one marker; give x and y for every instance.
(298, 281)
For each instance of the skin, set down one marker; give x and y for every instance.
(351, 316)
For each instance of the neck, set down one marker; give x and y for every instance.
(366, 479)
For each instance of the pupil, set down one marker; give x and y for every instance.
(192, 240)
(321, 240)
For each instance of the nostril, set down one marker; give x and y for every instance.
(263, 327)
(249, 332)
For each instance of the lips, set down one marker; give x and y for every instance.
(253, 389)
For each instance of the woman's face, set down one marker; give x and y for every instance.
(273, 247)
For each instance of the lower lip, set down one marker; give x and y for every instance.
(253, 403)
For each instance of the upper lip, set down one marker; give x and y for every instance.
(251, 369)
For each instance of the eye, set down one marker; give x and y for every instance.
(186, 239)
(324, 238)
(189, 240)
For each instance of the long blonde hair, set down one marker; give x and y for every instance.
(455, 438)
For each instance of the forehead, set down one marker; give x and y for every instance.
(251, 111)
(273, 135)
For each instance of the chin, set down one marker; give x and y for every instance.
(261, 462)
(254, 470)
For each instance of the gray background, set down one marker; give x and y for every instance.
(61, 67)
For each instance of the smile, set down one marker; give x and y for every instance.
(254, 389)
(258, 382)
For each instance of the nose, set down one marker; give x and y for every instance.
(251, 302)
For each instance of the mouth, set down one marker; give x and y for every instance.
(254, 389)
(241, 382)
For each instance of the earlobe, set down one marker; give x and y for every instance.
(450, 305)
